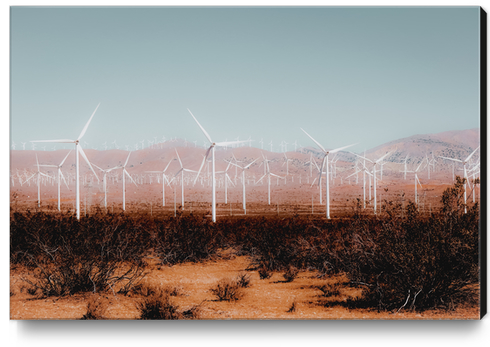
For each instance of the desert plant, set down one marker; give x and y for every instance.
(243, 280)
(96, 308)
(264, 272)
(293, 307)
(330, 289)
(227, 290)
(291, 273)
(158, 307)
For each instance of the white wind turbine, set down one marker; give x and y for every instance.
(325, 160)
(60, 176)
(181, 171)
(78, 149)
(212, 150)
(243, 181)
(164, 178)
(417, 181)
(268, 174)
(125, 172)
(105, 181)
(374, 173)
(464, 171)
(39, 174)
(226, 179)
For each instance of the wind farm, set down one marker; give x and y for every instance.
(235, 167)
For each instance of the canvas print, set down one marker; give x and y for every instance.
(218, 163)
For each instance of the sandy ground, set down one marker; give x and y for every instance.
(263, 299)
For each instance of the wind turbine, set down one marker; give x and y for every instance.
(268, 174)
(417, 181)
(124, 181)
(464, 171)
(60, 175)
(181, 171)
(226, 179)
(164, 178)
(374, 173)
(212, 150)
(39, 174)
(78, 149)
(243, 181)
(105, 181)
(325, 159)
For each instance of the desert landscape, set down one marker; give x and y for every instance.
(177, 270)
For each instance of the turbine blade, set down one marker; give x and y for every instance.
(166, 167)
(178, 172)
(64, 180)
(260, 179)
(276, 175)
(318, 143)
(178, 157)
(202, 164)
(55, 141)
(127, 159)
(228, 143)
(65, 158)
(204, 131)
(341, 148)
(86, 125)
(384, 156)
(360, 156)
(131, 178)
(471, 154)
(246, 167)
(86, 159)
(29, 178)
(459, 161)
(229, 179)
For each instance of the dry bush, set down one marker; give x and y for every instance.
(291, 273)
(293, 307)
(145, 289)
(243, 280)
(227, 290)
(158, 307)
(264, 272)
(173, 290)
(96, 308)
(330, 289)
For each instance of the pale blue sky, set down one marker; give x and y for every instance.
(345, 75)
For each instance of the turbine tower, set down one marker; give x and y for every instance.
(325, 161)
(79, 150)
(464, 171)
(212, 150)
(60, 175)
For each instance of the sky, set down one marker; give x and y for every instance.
(344, 74)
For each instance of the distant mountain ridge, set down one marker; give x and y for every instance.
(453, 144)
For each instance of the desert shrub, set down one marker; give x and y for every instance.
(158, 307)
(193, 313)
(96, 308)
(419, 263)
(292, 308)
(191, 239)
(243, 280)
(330, 289)
(290, 273)
(91, 255)
(227, 290)
(145, 289)
(264, 272)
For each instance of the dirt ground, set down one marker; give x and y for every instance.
(264, 299)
